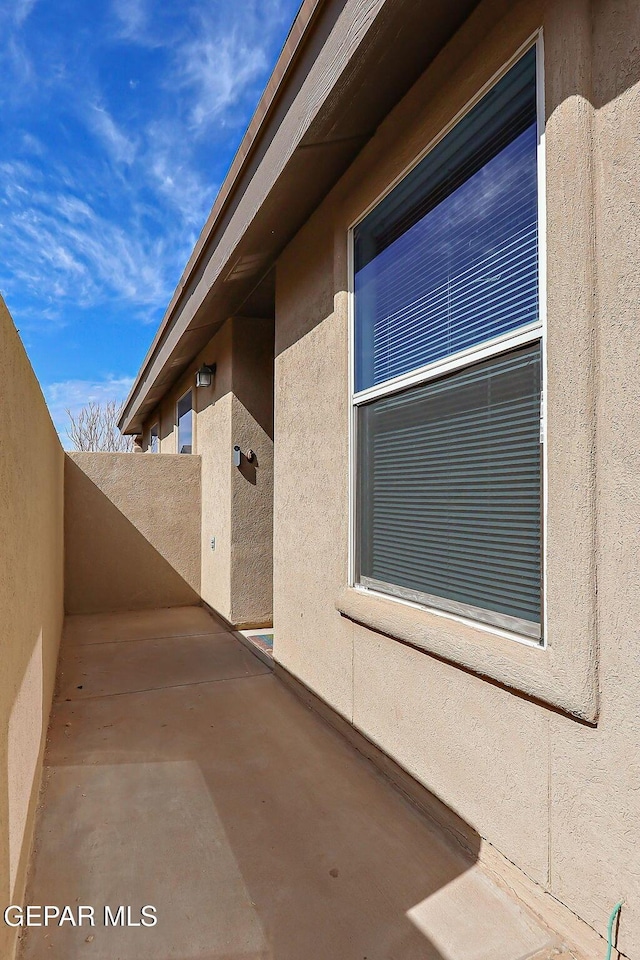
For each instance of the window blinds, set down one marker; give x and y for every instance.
(449, 259)
(449, 492)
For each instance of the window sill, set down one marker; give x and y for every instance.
(563, 677)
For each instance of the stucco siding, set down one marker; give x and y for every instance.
(311, 468)
(132, 532)
(595, 802)
(555, 796)
(31, 603)
(237, 504)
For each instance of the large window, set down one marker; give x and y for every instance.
(154, 439)
(448, 371)
(185, 423)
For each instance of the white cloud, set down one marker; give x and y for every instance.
(217, 68)
(141, 22)
(19, 170)
(73, 209)
(18, 65)
(73, 395)
(86, 264)
(169, 165)
(32, 145)
(131, 16)
(108, 221)
(53, 242)
(22, 9)
(119, 146)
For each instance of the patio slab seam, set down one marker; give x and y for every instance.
(168, 636)
(168, 686)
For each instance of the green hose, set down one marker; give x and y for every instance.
(612, 918)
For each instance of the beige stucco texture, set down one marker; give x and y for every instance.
(31, 603)
(595, 799)
(132, 531)
(557, 797)
(237, 503)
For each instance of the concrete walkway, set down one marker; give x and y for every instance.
(180, 773)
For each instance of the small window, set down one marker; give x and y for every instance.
(185, 423)
(154, 439)
(448, 371)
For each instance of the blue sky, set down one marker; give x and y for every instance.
(118, 122)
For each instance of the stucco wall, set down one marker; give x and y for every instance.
(31, 603)
(237, 504)
(252, 484)
(132, 531)
(555, 796)
(595, 775)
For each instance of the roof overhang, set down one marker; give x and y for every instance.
(344, 66)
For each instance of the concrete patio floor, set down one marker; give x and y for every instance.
(181, 773)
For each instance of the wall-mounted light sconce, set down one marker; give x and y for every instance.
(205, 375)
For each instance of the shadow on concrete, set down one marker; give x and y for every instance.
(215, 794)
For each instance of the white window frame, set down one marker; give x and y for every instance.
(155, 425)
(499, 345)
(193, 421)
